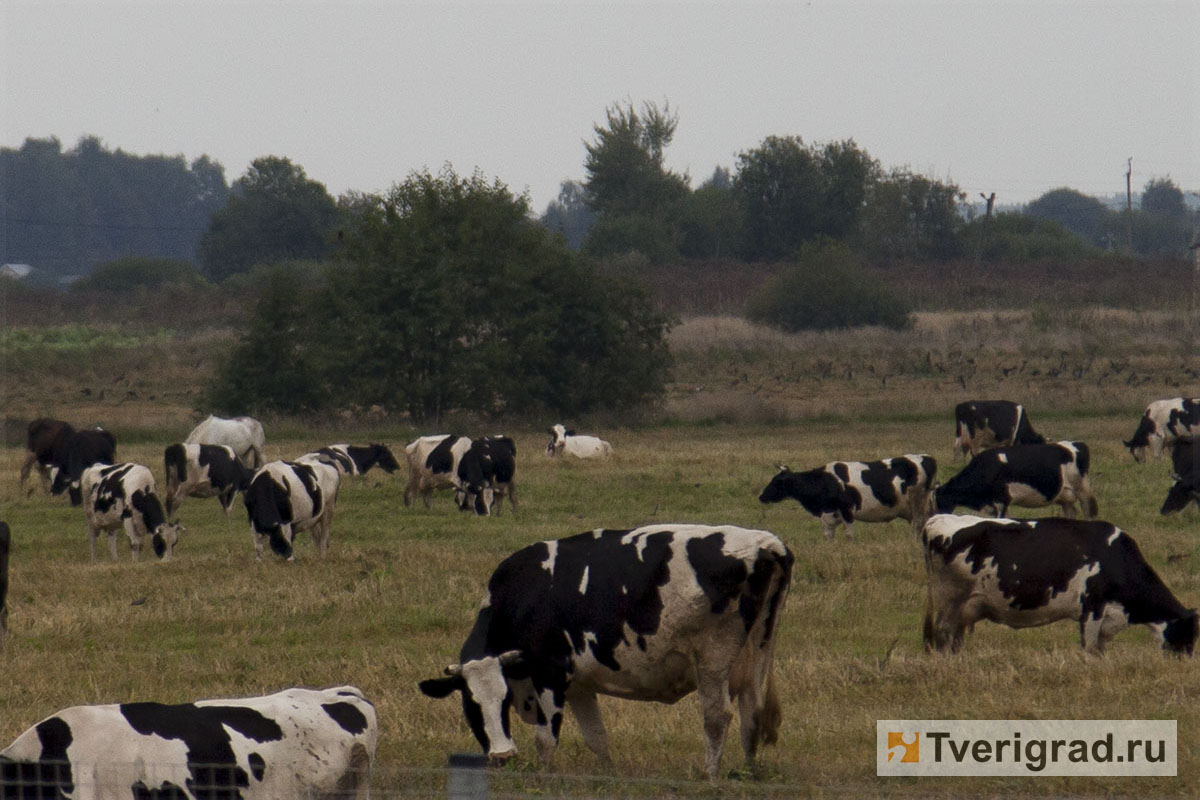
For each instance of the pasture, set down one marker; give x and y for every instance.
(397, 595)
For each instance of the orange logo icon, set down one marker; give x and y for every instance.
(908, 750)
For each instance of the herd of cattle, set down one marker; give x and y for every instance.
(652, 613)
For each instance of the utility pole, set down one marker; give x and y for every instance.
(1129, 205)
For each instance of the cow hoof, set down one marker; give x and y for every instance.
(500, 759)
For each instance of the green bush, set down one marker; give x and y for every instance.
(133, 272)
(826, 288)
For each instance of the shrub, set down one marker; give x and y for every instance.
(827, 287)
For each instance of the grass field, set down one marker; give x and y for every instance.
(397, 594)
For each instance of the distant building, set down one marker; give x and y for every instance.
(15, 271)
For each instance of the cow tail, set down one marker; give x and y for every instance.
(771, 715)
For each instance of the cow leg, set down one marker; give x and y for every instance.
(591, 724)
(260, 541)
(829, 523)
(93, 532)
(717, 711)
(26, 466)
(135, 539)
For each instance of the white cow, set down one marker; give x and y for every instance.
(298, 743)
(124, 495)
(578, 445)
(244, 434)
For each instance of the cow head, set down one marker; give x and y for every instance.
(777, 489)
(1145, 437)
(477, 498)
(384, 458)
(164, 539)
(486, 699)
(1179, 635)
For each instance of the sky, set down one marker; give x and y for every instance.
(1015, 98)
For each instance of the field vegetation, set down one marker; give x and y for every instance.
(397, 594)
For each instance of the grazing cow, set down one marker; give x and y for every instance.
(980, 424)
(123, 495)
(75, 453)
(1029, 475)
(450, 462)
(286, 497)
(204, 470)
(648, 614)
(869, 491)
(244, 434)
(40, 444)
(5, 544)
(485, 475)
(1025, 573)
(298, 743)
(1186, 470)
(1164, 423)
(353, 459)
(578, 445)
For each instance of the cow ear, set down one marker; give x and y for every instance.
(441, 687)
(514, 665)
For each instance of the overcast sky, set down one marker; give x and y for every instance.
(1011, 97)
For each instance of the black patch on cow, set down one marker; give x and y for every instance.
(1007, 421)
(48, 778)
(1141, 436)
(75, 453)
(440, 460)
(258, 767)
(347, 716)
(1038, 558)
(363, 458)
(168, 791)
(175, 460)
(878, 477)
(1185, 465)
(5, 544)
(817, 490)
(215, 774)
(1180, 420)
(720, 576)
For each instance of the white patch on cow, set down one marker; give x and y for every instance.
(1002, 458)
(485, 680)
(584, 581)
(1113, 537)
(551, 557)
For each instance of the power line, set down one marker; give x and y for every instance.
(98, 225)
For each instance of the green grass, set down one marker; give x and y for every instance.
(397, 594)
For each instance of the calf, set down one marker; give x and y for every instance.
(298, 743)
(244, 434)
(869, 491)
(123, 495)
(565, 442)
(355, 460)
(41, 441)
(1025, 573)
(1185, 456)
(286, 497)
(75, 453)
(1164, 423)
(980, 424)
(5, 544)
(204, 470)
(1029, 475)
(648, 614)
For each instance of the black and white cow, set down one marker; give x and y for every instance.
(124, 496)
(204, 470)
(41, 442)
(5, 545)
(648, 614)
(244, 434)
(1164, 423)
(458, 463)
(980, 424)
(1025, 573)
(75, 453)
(1028, 475)
(1185, 468)
(568, 442)
(867, 491)
(298, 743)
(355, 459)
(489, 464)
(286, 497)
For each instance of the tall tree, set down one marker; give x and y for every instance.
(637, 200)
(1083, 215)
(911, 216)
(1162, 197)
(275, 213)
(570, 214)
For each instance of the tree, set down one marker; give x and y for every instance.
(910, 216)
(1163, 198)
(447, 296)
(274, 213)
(570, 214)
(635, 197)
(135, 272)
(791, 193)
(1079, 213)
